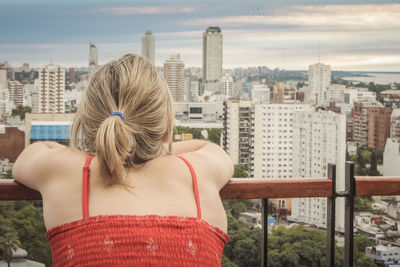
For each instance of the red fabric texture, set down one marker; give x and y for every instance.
(131, 240)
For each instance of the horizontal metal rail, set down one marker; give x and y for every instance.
(249, 188)
(246, 188)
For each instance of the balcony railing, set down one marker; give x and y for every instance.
(246, 188)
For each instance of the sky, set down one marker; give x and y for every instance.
(286, 34)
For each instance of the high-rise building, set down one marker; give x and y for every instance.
(93, 58)
(148, 47)
(51, 89)
(378, 127)
(237, 133)
(284, 93)
(212, 59)
(260, 93)
(395, 124)
(359, 115)
(174, 75)
(336, 93)
(3, 79)
(227, 85)
(5, 105)
(319, 81)
(16, 92)
(319, 138)
(273, 139)
(352, 95)
(72, 78)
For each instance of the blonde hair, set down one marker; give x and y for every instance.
(133, 86)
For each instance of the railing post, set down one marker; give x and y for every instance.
(264, 249)
(330, 219)
(350, 184)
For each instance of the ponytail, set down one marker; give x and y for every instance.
(114, 145)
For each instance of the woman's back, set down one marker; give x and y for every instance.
(136, 186)
(162, 187)
(159, 228)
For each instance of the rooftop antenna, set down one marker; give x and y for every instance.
(319, 50)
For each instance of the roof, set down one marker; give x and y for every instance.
(50, 131)
(213, 29)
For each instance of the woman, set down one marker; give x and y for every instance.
(139, 199)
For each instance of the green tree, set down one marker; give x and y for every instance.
(196, 132)
(373, 170)
(28, 223)
(366, 155)
(240, 171)
(8, 175)
(20, 111)
(227, 263)
(363, 204)
(214, 135)
(9, 243)
(360, 163)
(360, 243)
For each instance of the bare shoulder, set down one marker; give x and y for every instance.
(42, 162)
(212, 163)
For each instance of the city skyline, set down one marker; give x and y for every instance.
(348, 35)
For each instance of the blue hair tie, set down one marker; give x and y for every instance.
(119, 114)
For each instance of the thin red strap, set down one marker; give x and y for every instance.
(85, 187)
(195, 188)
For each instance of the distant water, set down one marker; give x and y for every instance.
(377, 78)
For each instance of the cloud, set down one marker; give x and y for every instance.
(145, 10)
(324, 17)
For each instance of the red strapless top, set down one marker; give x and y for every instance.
(131, 240)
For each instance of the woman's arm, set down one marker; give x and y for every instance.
(208, 156)
(34, 164)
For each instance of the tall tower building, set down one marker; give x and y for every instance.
(3, 79)
(148, 47)
(93, 58)
(51, 89)
(212, 59)
(237, 133)
(16, 92)
(5, 104)
(174, 75)
(319, 138)
(359, 114)
(378, 127)
(319, 81)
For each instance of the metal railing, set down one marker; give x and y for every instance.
(246, 188)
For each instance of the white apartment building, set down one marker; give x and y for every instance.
(51, 89)
(174, 75)
(16, 95)
(199, 111)
(319, 81)
(260, 93)
(273, 139)
(391, 157)
(5, 104)
(212, 59)
(352, 95)
(93, 58)
(148, 46)
(237, 134)
(395, 123)
(319, 138)
(227, 85)
(3, 79)
(336, 93)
